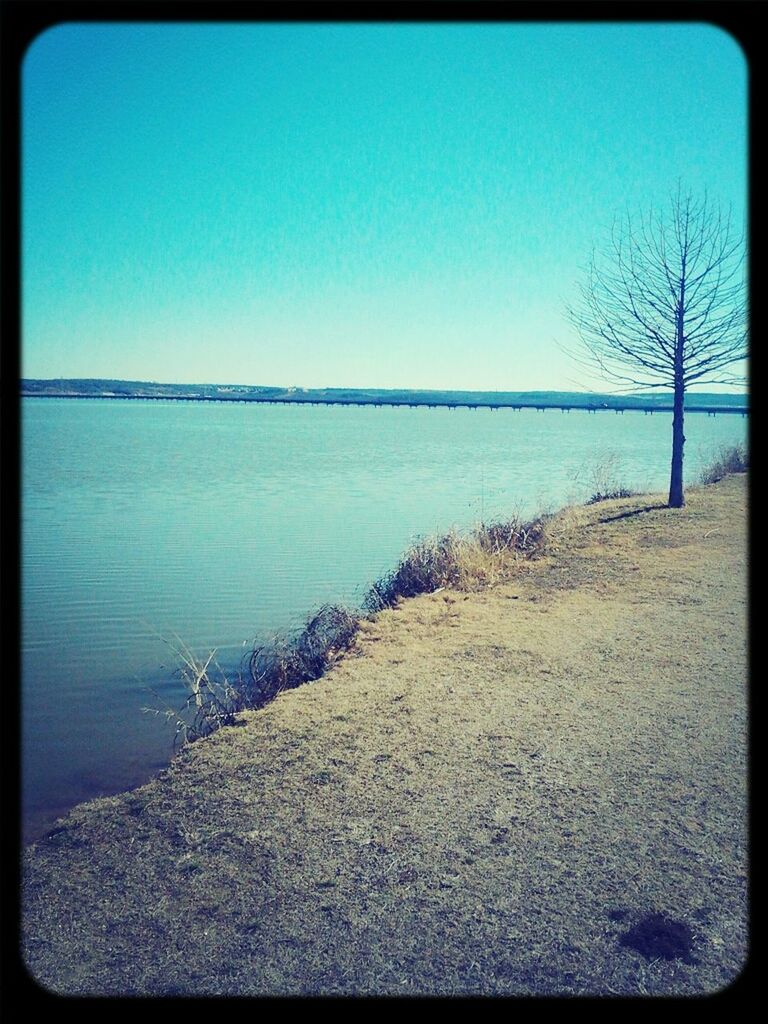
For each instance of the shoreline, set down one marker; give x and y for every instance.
(395, 727)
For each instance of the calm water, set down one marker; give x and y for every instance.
(221, 523)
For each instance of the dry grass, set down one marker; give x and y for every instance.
(729, 459)
(210, 704)
(603, 478)
(459, 561)
(497, 794)
(291, 660)
(621, 492)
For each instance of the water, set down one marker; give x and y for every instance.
(221, 523)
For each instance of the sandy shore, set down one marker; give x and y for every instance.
(483, 797)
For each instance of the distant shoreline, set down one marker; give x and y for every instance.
(516, 400)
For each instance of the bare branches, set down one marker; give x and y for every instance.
(664, 301)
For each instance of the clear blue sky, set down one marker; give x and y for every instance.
(349, 204)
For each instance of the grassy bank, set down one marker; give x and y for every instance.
(464, 561)
(499, 790)
(478, 557)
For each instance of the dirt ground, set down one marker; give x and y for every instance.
(485, 797)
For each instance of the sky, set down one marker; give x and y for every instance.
(350, 205)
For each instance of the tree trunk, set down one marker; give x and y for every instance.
(676, 497)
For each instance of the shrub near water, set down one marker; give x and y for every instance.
(730, 459)
(285, 662)
(291, 660)
(602, 475)
(621, 492)
(455, 561)
(427, 565)
(210, 703)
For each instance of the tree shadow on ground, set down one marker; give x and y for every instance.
(634, 512)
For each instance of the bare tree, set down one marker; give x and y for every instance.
(664, 303)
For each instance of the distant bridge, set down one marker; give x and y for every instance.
(711, 410)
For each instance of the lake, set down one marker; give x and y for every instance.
(220, 523)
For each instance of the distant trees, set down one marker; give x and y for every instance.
(664, 303)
